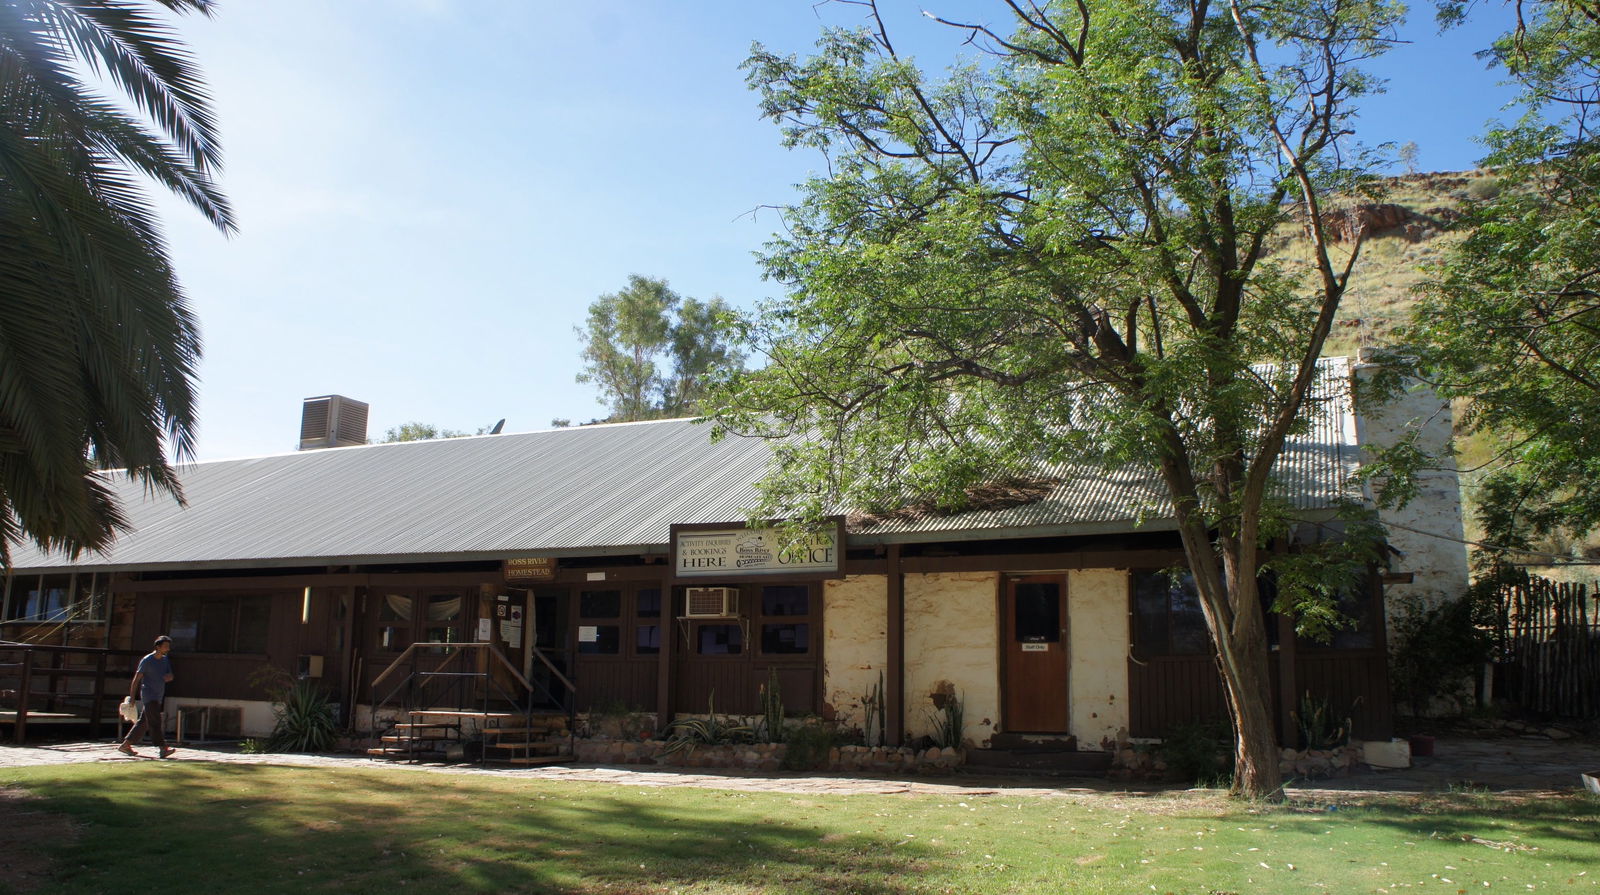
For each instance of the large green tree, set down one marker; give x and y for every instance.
(1512, 321)
(1059, 252)
(651, 352)
(97, 345)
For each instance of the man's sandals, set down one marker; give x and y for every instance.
(166, 751)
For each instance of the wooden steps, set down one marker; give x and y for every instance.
(507, 737)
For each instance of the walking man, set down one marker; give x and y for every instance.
(150, 688)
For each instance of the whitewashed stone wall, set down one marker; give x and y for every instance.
(1428, 530)
(855, 612)
(952, 634)
(1097, 606)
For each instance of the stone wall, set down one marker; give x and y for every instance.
(1097, 606)
(1430, 539)
(952, 634)
(855, 643)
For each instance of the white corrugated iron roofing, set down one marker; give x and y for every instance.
(584, 490)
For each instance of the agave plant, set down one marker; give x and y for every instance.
(687, 734)
(305, 720)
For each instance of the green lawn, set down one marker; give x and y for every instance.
(218, 828)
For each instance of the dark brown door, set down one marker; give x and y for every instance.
(1035, 630)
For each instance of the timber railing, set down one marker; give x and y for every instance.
(1546, 636)
(42, 682)
(420, 685)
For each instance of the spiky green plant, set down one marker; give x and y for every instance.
(305, 720)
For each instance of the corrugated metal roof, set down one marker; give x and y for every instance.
(583, 490)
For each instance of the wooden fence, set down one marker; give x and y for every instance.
(1547, 647)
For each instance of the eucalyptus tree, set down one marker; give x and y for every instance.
(1059, 251)
(651, 352)
(98, 347)
(1512, 319)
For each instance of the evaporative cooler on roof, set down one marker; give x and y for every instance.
(332, 421)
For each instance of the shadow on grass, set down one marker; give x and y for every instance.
(251, 828)
(1496, 820)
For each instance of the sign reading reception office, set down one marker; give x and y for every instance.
(736, 551)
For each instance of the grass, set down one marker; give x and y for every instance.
(193, 827)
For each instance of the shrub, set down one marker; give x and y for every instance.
(687, 734)
(809, 745)
(1197, 752)
(1436, 649)
(304, 720)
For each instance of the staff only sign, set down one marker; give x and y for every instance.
(736, 551)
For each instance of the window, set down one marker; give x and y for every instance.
(394, 622)
(599, 640)
(720, 640)
(443, 621)
(236, 625)
(785, 614)
(55, 598)
(1356, 604)
(647, 637)
(1168, 620)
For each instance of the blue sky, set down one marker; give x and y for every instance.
(431, 192)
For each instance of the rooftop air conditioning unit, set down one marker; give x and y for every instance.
(332, 421)
(711, 602)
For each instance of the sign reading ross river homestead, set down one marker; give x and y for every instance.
(736, 550)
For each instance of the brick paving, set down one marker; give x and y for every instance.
(1521, 765)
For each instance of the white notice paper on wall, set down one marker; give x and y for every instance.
(511, 633)
(588, 633)
(485, 630)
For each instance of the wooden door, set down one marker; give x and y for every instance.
(1034, 629)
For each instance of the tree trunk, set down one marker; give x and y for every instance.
(1242, 655)
(1231, 601)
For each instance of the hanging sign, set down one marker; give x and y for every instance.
(736, 551)
(536, 568)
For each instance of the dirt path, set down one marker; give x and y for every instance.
(1505, 765)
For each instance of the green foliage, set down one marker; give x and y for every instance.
(253, 746)
(1318, 725)
(687, 734)
(772, 708)
(416, 431)
(303, 719)
(873, 732)
(1435, 651)
(809, 745)
(1312, 579)
(631, 333)
(98, 347)
(1059, 258)
(1197, 752)
(1512, 318)
(949, 719)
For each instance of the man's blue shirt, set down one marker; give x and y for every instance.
(153, 686)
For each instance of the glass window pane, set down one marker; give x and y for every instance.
(216, 626)
(607, 642)
(183, 623)
(791, 599)
(1187, 620)
(648, 602)
(1038, 612)
(255, 614)
(648, 640)
(600, 604)
(786, 640)
(721, 640)
(395, 608)
(1150, 612)
(444, 607)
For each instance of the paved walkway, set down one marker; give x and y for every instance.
(1504, 765)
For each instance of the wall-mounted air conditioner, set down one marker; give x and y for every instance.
(711, 602)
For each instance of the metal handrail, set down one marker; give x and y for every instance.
(411, 653)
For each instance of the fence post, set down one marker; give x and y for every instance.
(24, 690)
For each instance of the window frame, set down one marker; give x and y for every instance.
(235, 602)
